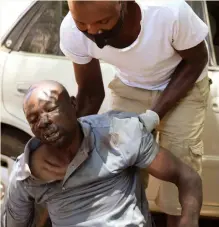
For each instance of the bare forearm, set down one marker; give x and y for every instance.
(190, 194)
(88, 104)
(168, 167)
(181, 82)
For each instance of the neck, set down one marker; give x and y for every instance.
(131, 26)
(72, 150)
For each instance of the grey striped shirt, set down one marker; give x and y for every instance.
(101, 187)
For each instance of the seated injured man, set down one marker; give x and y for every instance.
(101, 156)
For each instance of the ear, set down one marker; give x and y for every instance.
(73, 101)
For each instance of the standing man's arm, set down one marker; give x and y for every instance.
(19, 206)
(90, 88)
(187, 37)
(74, 46)
(183, 78)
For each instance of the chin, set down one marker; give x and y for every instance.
(61, 143)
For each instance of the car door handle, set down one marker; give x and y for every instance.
(23, 88)
(215, 104)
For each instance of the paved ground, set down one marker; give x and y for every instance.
(160, 221)
(204, 222)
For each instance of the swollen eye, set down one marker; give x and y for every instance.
(51, 109)
(104, 21)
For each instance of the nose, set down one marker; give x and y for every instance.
(93, 29)
(44, 121)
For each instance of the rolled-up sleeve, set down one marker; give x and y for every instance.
(19, 206)
(148, 150)
(72, 42)
(188, 29)
(134, 144)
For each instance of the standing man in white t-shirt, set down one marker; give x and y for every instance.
(158, 48)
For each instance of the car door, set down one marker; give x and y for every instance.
(35, 56)
(211, 148)
(211, 129)
(210, 159)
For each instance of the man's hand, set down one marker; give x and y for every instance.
(47, 166)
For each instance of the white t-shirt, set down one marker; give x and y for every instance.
(149, 62)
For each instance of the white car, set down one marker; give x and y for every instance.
(30, 52)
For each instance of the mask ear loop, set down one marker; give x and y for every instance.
(123, 9)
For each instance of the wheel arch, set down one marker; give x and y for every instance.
(6, 129)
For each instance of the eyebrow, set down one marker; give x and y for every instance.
(106, 18)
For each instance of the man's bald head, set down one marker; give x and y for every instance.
(44, 90)
(105, 4)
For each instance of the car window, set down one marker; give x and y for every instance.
(43, 36)
(213, 9)
(200, 9)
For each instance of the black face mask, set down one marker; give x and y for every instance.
(106, 36)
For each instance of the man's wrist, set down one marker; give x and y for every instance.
(158, 111)
(190, 215)
(188, 221)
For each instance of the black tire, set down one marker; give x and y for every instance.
(13, 141)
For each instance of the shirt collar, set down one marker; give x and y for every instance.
(23, 170)
(83, 153)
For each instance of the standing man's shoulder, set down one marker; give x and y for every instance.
(73, 43)
(164, 5)
(185, 28)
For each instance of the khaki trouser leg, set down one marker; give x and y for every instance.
(180, 131)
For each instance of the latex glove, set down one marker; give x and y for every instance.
(150, 119)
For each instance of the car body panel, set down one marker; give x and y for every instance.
(21, 71)
(6, 168)
(210, 158)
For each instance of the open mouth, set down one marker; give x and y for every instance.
(52, 136)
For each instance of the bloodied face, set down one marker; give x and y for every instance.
(51, 113)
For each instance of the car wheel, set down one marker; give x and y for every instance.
(13, 142)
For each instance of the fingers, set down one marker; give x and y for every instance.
(55, 162)
(48, 166)
(51, 173)
(60, 170)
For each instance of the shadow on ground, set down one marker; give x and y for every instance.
(160, 221)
